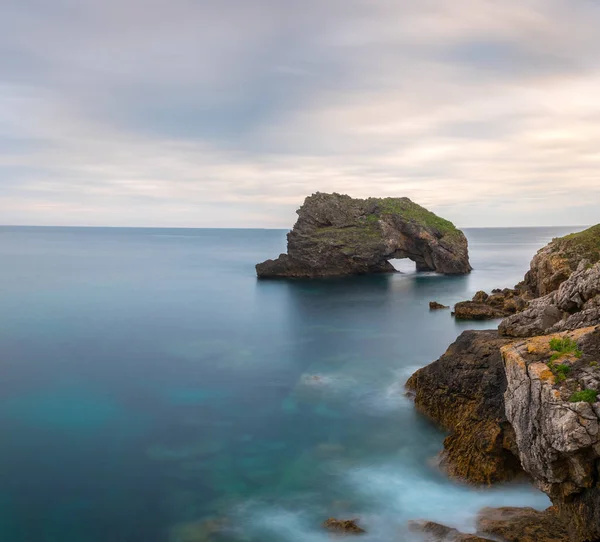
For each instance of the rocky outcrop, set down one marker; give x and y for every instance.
(538, 381)
(483, 306)
(557, 427)
(336, 235)
(549, 268)
(463, 393)
(575, 304)
(554, 263)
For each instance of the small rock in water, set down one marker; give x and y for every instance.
(345, 526)
(434, 306)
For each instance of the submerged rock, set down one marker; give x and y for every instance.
(336, 235)
(522, 525)
(345, 526)
(436, 532)
(462, 393)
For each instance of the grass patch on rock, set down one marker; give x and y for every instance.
(587, 396)
(563, 346)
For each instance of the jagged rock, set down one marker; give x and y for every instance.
(435, 306)
(554, 263)
(575, 304)
(558, 440)
(522, 525)
(436, 532)
(337, 235)
(345, 526)
(486, 307)
(463, 393)
(540, 315)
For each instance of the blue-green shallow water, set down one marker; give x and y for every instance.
(151, 389)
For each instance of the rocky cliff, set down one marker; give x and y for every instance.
(554, 263)
(549, 268)
(462, 392)
(526, 398)
(336, 235)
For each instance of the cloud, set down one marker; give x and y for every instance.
(197, 113)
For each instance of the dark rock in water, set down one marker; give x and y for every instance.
(436, 532)
(336, 235)
(523, 525)
(345, 526)
(434, 306)
(463, 393)
(469, 310)
(486, 307)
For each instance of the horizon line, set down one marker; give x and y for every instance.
(261, 228)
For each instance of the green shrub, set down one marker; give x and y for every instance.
(559, 371)
(588, 396)
(563, 346)
(593, 364)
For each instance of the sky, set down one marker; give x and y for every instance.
(228, 113)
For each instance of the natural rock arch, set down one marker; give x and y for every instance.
(337, 235)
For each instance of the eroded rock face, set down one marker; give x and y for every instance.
(575, 304)
(554, 263)
(463, 393)
(558, 439)
(337, 235)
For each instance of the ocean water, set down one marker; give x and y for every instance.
(153, 390)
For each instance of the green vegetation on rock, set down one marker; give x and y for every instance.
(559, 371)
(563, 346)
(415, 213)
(577, 246)
(587, 396)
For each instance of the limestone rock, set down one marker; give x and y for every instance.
(554, 263)
(463, 393)
(558, 440)
(575, 304)
(344, 526)
(336, 235)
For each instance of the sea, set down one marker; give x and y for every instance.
(152, 389)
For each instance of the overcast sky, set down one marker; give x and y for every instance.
(227, 113)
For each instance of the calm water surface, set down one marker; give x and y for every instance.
(152, 390)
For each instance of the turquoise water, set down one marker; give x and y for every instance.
(151, 389)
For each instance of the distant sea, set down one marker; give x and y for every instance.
(153, 390)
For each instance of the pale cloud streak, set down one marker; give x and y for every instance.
(228, 113)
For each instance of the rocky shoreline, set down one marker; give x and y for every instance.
(522, 401)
